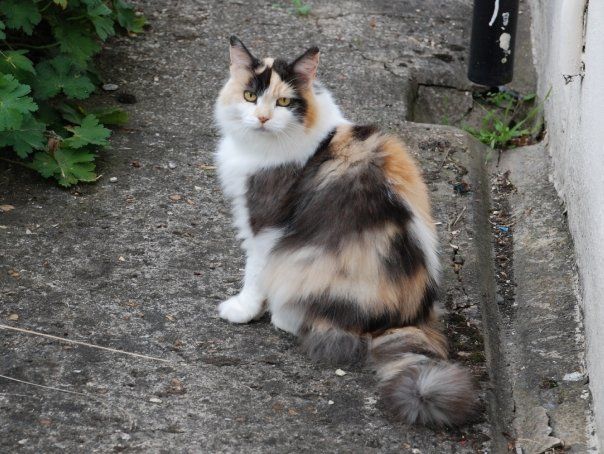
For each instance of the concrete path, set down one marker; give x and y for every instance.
(139, 265)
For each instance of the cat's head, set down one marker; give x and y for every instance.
(270, 96)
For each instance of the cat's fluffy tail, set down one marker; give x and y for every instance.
(417, 384)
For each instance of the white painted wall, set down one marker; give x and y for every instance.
(568, 39)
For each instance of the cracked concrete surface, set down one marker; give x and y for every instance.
(125, 265)
(139, 265)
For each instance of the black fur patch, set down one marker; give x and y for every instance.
(362, 132)
(268, 194)
(287, 74)
(404, 258)
(348, 316)
(334, 346)
(259, 82)
(271, 197)
(357, 201)
(430, 296)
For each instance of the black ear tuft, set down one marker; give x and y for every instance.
(305, 66)
(241, 57)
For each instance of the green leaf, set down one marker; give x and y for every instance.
(66, 165)
(74, 165)
(127, 18)
(45, 164)
(76, 42)
(25, 139)
(21, 14)
(14, 103)
(61, 74)
(13, 61)
(75, 113)
(111, 116)
(103, 26)
(90, 132)
(2, 28)
(61, 3)
(100, 16)
(72, 112)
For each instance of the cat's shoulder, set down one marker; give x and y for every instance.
(364, 153)
(352, 145)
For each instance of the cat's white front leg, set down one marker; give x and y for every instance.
(249, 303)
(241, 308)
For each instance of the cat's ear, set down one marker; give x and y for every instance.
(305, 66)
(241, 57)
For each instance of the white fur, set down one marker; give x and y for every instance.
(249, 303)
(245, 149)
(427, 239)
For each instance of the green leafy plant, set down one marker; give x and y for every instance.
(46, 68)
(301, 8)
(508, 122)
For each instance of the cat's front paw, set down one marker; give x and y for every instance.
(239, 309)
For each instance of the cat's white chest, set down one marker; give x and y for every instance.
(234, 171)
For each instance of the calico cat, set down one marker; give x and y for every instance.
(340, 244)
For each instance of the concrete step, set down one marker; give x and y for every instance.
(541, 334)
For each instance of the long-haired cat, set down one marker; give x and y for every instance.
(340, 244)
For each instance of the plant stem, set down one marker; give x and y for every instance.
(31, 46)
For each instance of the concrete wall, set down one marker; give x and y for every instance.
(568, 40)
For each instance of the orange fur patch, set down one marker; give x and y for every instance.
(406, 295)
(311, 109)
(404, 175)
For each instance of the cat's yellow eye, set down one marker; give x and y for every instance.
(284, 102)
(250, 96)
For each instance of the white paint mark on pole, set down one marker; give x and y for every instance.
(495, 12)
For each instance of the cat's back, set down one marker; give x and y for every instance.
(362, 161)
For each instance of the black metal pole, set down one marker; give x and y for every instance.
(493, 40)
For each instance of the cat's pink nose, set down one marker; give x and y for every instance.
(263, 119)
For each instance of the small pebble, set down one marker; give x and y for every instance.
(121, 259)
(110, 87)
(340, 372)
(171, 165)
(198, 188)
(27, 232)
(113, 179)
(330, 402)
(155, 400)
(23, 441)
